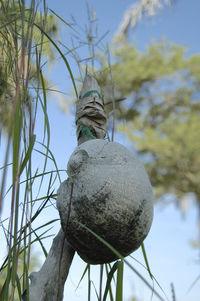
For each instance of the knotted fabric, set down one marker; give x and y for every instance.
(91, 119)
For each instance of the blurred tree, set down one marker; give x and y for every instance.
(17, 28)
(138, 10)
(162, 114)
(133, 299)
(33, 263)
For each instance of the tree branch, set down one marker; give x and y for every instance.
(48, 283)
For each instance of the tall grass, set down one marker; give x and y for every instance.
(23, 41)
(24, 37)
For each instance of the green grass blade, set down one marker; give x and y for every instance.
(34, 177)
(89, 284)
(119, 288)
(53, 196)
(193, 284)
(26, 286)
(62, 55)
(146, 260)
(18, 286)
(44, 107)
(47, 128)
(61, 19)
(16, 137)
(28, 154)
(40, 242)
(83, 275)
(122, 258)
(109, 279)
(52, 158)
(4, 290)
(108, 266)
(101, 281)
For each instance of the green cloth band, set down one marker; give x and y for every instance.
(86, 132)
(91, 92)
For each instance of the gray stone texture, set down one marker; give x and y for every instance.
(112, 196)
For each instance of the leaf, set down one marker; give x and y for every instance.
(40, 242)
(109, 279)
(119, 288)
(62, 55)
(66, 23)
(83, 275)
(18, 286)
(16, 136)
(28, 153)
(193, 284)
(146, 261)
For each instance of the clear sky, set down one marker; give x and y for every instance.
(170, 255)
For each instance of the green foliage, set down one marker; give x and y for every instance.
(133, 299)
(17, 34)
(34, 264)
(138, 68)
(24, 49)
(161, 114)
(119, 288)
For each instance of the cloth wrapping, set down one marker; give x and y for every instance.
(91, 119)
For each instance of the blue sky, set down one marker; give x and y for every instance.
(170, 256)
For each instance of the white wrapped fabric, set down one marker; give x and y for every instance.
(91, 119)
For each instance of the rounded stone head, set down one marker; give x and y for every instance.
(108, 192)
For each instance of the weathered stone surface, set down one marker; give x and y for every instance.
(112, 196)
